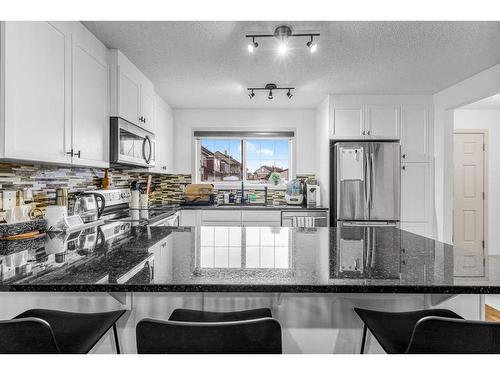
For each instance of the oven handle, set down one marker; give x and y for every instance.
(147, 158)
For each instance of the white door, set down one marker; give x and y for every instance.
(414, 133)
(347, 120)
(37, 91)
(415, 192)
(382, 120)
(147, 109)
(129, 90)
(468, 210)
(90, 104)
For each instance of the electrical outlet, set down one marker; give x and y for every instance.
(8, 199)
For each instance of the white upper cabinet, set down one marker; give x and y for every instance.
(129, 94)
(382, 120)
(90, 101)
(360, 120)
(147, 107)
(132, 94)
(164, 127)
(56, 94)
(347, 120)
(36, 70)
(415, 133)
(415, 192)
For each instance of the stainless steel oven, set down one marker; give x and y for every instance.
(131, 145)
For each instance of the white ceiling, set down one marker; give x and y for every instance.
(493, 102)
(207, 65)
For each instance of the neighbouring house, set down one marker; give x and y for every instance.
(264, 172)
(218, 166)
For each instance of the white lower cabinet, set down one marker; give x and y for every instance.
(189, 218)
(416, 198)
(417, 228)
(229, 218)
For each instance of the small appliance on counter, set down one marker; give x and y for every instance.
(86, 205)
(199, 195)
(313, 198)
(294, 192)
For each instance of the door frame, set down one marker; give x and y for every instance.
(485, 134)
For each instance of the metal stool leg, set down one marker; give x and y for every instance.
(115, 334)
(363, 340)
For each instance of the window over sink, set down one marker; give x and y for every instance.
(251, 157)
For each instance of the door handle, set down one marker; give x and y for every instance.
(70, 153)
(79, 153)
(372, 178)
(147, 158)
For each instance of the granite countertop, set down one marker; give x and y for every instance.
(247, 259)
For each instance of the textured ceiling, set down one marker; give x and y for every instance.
(207, 65)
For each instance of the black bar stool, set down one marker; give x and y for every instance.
(40, 331)
(430, 331)
(202, 332)
(186, 315)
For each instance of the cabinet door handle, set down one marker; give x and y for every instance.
(403, 168)
(404, 156)
(70, 153)
(363, 132)
(145, 120)
(79, 153)
(368, 132)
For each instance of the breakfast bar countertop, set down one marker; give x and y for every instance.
(246, 259)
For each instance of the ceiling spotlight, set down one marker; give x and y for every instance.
(289, 94)
(282, 48)
(251, 95)
(252, 46)
(312, 45)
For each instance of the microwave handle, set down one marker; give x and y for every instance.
(147, 158)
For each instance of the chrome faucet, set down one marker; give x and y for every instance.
(242, 200)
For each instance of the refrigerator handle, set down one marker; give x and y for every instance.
(367, 177)
(372, 177)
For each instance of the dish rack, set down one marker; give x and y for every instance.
(198, 200)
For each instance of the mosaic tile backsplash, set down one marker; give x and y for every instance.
(44, 180)
(166, 189)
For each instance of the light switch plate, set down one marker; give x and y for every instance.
(8, 199)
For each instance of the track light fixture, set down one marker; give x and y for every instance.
(270, 87)
(252, 46)
(312, 45)
(283, 33)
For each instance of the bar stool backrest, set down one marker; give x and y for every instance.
(27, 336)
(454, 336)
(258, 336)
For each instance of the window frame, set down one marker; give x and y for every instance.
(243, 139)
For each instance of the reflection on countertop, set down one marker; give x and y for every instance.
(119, 256)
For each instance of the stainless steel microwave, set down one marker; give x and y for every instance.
(131, 145)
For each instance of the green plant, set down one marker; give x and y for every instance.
(275, 177)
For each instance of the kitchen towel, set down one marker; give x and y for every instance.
(304, 221)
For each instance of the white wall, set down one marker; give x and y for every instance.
(323, 149)
(302, 121)
(487, 119)
(479, 86)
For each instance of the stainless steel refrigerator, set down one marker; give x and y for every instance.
(365, 183)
